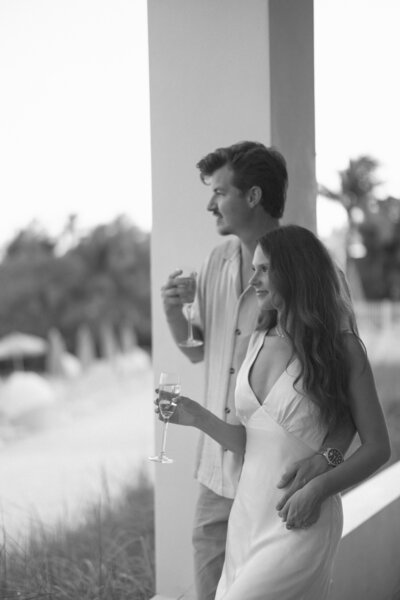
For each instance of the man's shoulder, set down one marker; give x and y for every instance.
(227, 249)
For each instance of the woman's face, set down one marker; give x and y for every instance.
(267, 296)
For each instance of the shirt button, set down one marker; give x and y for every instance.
(231, 370)
(237, 331)
(227, 410)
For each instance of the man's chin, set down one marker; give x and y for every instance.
(223, 229)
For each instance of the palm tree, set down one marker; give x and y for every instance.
(357, 186)
(356, 194)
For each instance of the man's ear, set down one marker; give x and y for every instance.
(254, 196)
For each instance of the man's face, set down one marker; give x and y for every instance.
(228, 204)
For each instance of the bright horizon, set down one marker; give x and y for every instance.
(74, 109)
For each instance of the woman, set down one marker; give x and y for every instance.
(305, 371)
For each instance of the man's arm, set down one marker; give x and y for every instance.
(177, 322)
(303, 471)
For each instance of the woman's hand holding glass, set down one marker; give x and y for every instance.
(169, 393)
(187, 412)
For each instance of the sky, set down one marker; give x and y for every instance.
(74, 113)
(74, 106)
(357, 95)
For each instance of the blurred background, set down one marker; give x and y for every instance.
(76, 421)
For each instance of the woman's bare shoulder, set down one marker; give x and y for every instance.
(355, 350)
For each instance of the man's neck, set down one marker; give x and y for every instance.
(248, 243)
(249, 237)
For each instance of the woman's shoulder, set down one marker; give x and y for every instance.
(355, 349)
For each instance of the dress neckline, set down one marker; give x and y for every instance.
(253, 360)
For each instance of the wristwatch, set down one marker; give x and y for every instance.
(333, 456)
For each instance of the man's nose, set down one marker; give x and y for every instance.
(212, 204)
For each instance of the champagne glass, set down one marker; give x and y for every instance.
(187, 289)
(169, 390)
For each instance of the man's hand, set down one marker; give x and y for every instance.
(170, 294)
(298, 475)
(303, 508)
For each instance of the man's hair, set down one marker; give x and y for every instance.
(252, 164)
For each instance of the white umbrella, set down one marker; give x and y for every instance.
(16, 345)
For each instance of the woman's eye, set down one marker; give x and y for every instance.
(264, 269)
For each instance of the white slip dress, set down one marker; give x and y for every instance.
(264, 560)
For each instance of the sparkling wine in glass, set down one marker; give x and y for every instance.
(169, 390)
(187, 289)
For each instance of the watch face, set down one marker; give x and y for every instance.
(334, 456)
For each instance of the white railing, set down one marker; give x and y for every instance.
(380, 315)
(368, 564)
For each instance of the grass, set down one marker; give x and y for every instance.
(109, 556)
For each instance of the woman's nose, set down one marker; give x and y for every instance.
(253, 279)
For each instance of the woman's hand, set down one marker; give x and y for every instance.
(303, 508)
(187, 412)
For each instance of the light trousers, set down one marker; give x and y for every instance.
(209, 540)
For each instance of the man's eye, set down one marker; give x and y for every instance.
(264, 269)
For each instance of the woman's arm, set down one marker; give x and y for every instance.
(374, 451)
(370, 423)
(191, 413)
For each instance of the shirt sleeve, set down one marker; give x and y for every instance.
(200, 298)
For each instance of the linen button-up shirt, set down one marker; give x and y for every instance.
(227, 317)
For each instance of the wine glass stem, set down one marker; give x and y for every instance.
(164, 437)
(189, 320)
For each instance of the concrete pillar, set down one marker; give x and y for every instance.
(220, 72)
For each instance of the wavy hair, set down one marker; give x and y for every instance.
(316, 310)
(253, 164)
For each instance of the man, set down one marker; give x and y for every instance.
(248, 183)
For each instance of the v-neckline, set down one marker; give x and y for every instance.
(276, 380)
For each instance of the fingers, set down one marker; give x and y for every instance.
(170, 291)
(303, 525)
(171, 281)
(287, 476)
(299, 517)
(299, 525)
(297, 484)
(283, 515)
(174, 274)
(282, 501)
(295, 523)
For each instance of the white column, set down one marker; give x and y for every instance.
(211, 85)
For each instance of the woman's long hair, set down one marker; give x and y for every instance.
(316, 309)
